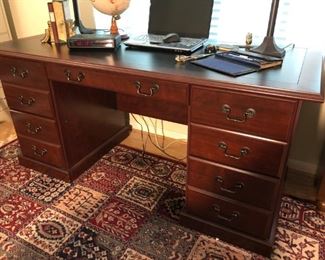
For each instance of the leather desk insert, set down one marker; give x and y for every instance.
(70, 108)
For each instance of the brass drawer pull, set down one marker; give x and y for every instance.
(153, 90)
(235, 189)
(243, 151)
(250, 113)
(14, 72)
(32, 129)
(234, 215)
(68, 74)
(26, 101)
(39, 152)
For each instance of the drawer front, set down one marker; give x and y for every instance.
(150, 88)
(27, 100)
(174, 112)
(153, 89)
(23, 72)
(267, 117)
(241, 151)
(236, 184)
(36, 127)
(43, 152)
(225, 213)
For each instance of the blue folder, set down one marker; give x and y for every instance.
(226, 66)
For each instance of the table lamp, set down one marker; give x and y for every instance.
(268, 46)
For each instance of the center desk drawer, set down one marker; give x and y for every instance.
(226, 213)
(23, 72)
(35, 127)
(267, 117)
(28, 100)
(152, 88)
(238, 150)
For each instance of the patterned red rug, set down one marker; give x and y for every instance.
(125, 207)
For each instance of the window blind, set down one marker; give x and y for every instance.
(297, 22)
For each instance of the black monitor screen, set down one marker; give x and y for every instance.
(186, 17)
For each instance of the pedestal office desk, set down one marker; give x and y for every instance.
(70, 107)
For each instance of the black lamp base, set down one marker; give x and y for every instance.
(269, 47)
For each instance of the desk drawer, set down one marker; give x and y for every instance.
(150, 88)
(36, 127)
(241, 151)
(225, 213)
(267, 117)
(23, 72)
(233, 183)
(43, 152)
(27, 100)
(154, 89)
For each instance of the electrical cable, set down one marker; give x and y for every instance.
(161, 149)
(144, 143)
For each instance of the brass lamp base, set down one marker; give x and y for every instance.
(269, 47)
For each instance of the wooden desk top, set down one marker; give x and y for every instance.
(302, 75)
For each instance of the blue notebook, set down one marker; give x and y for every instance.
(226, 66)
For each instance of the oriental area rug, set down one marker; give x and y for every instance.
(126, 206)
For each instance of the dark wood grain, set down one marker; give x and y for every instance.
(41, 151)
(292, 80)
(25, 72)
(220, 211)
(272, 117)
(204, 143)
(35, 127)
(151, 88)
(29, 100)
(170, 111)
(84, 97)
(87, 118)
(233, 183)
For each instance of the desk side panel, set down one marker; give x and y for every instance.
(88, 119)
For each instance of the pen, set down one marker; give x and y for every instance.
(241, 56)
(184, 58)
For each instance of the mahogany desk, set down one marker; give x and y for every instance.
(69, 108)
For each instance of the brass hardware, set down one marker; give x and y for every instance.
(224, 147)
(24, 74)
(26, 101)
(39, 152)
(68, 74)
(250, 113)
(32, 129)
(14, 72)
(234, 215)
(236, 188)
(153, 90)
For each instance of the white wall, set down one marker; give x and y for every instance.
(309, 139)
(4, 36)
(30, 17)
(4, 28)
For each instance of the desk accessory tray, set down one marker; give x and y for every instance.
(235, 63)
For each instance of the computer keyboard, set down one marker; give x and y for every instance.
(158, 39)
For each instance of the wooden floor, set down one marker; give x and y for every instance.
(176, 149)
(298, 184)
